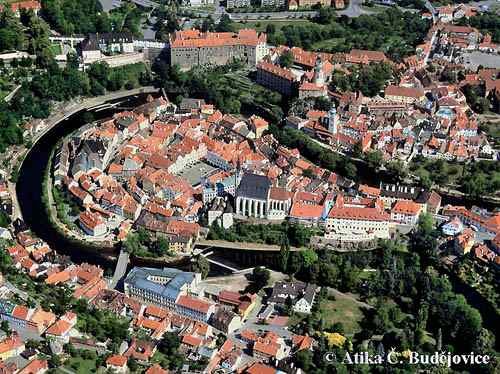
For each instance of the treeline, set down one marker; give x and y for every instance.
(56, 84)
(370, 79)
(70, 17)
(273, 234)
(476, 179)
(313, 151)
(223, 86)
(484, 22)
(413, 302)
(392, 31)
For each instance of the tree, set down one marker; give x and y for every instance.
(225, 24)
(397, 170)
(303, 360)
(286, 59)
(284, 254)
(4, 219)
(169, 344)
(374, 159)
(423, 240)
(133, 364)
(260, 277)
(161, 246)
(270, 29)
(5, 327)
(201, 265)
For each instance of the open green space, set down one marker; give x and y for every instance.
(79, 365)
(341, 309)
(344, 310)
(261, 25)
(329, 44)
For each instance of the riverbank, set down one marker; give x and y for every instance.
(16, 160)
(30, 187)
(109, 251)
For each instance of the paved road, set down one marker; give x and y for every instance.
(121, 268)
(354, 9)
(242, 245)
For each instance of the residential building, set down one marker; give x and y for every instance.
(404, 94)
(226, 321)
(117, 363)
(92, 223)
(357, 223)
(295, 4)
(35, 366)
(452, 227)
(230, 4)
(273, 3)
(95, 45)
(302, 295)
(11, 346)
(161, 287)
(194, 308)
(18, 6)
(240, 304)
(464, 242)
(406, 212)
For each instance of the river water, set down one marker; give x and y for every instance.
(29, 187)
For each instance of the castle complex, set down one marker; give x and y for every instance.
(192, 47)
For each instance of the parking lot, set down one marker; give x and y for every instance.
(472, 60)
(195, 173)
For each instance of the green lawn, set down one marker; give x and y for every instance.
(328, 44)
(80, 366)
(260, 25)
(343, 310)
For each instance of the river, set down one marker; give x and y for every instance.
(29, 187)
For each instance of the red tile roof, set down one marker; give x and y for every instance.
(306, 211)
(117, 360)
(404, 91)
(259, 368)
(357, 213)
(276, 70)
(192, 303)
(197, 39)
(59, 328)
(35, 367)
(156, 369)
(407, 207)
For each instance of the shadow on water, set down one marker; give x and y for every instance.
(29, 188)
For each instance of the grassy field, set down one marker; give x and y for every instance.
(261, 25)
(328, 44)
(80, 366)
(344, 310)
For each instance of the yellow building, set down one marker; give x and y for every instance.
(11, 346)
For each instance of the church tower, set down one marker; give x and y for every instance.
(332, 120)
(319, 75)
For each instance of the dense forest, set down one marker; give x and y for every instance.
(392, 31)
(415, 306)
